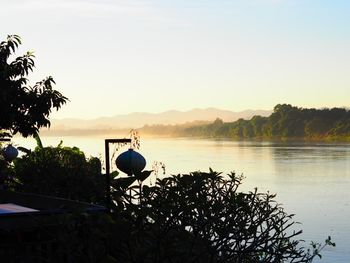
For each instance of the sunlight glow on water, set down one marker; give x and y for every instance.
(312, 180)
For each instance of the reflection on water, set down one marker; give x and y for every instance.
(311, 180)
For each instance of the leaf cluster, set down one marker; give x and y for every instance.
(203, 217)
(24, 108)
(60, 171)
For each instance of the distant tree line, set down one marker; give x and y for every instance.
(174, 130)
(286, 121)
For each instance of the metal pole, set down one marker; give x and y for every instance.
(108, 173)
(108, 177)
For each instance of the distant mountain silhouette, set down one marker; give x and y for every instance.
(139, 119)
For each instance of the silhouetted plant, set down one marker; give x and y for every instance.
(24, 108)
(7, 178)
(202, 217)
(60, 171)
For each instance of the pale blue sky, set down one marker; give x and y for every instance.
(118, 56)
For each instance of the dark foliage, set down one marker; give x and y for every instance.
(6, 174)
(202, 217)
(60, 171)
(23, 108)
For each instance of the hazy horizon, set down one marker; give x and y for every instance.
(111, 115)
(122, 122)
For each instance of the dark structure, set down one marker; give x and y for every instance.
(33, 227)
(108, 176)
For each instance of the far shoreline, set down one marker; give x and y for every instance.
(125, 133)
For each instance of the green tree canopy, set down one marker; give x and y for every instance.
(23, 108)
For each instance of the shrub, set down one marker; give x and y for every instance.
(62, 172)
(202, 217)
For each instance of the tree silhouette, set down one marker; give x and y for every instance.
(23, 108)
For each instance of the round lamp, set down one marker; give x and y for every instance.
(10, 153)
(130, 162)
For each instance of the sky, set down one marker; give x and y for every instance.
(114, 57)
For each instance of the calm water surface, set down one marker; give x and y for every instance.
(312, 180)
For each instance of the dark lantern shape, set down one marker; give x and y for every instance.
(10, 153)
(130, 162)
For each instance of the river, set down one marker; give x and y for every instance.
(312, 180)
